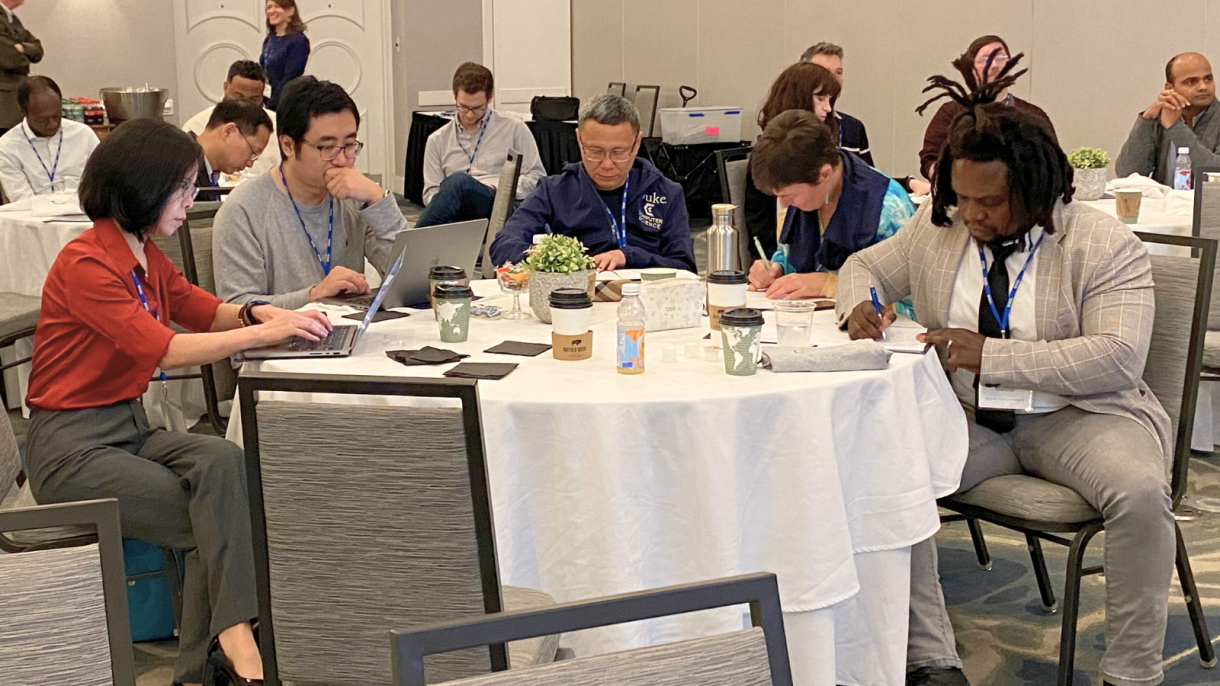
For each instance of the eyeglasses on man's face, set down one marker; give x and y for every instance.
(615, 155)
(330, 152)
(253, 154)
(478, 111)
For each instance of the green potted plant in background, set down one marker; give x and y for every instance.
(557, 262)
(1090, 172)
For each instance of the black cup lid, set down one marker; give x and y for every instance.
(570, 299)
(730, 277)
(446, 273)
(452, 291)
(741, 316)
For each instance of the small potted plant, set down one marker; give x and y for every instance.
(557, 262)
(1090, 172)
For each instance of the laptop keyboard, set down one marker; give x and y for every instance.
(331, 342)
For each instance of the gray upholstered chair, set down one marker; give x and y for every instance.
(754, 656)
(191, 251)
(65, 610)
(371, 517)
(646, 99)
(501, 210)
(734, 165)
(1045, 511)
(18, 319)
(1207, 225)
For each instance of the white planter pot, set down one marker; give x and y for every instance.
(1090, 183)
(542, 283)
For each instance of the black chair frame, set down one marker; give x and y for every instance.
(648, 120)
(760, 591)
(103, 517)
(620, 90)
(1083, 532)
(1199, 176)
(723, 157)
(249, 383)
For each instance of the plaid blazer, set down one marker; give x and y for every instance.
(1094, 308)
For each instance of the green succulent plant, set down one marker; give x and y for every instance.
(1088, 158)
(559, 254)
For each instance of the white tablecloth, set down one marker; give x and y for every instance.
(604, 483)
(28, 248)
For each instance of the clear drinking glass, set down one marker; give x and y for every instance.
(514, 280)
(794, 322)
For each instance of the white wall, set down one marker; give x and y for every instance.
(1094, 63)
(92, 44)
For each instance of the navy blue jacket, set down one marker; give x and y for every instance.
(852, 228)
(658, 228)
(284, 57)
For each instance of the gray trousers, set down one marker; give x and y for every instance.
(1119, 469)
(178, 491)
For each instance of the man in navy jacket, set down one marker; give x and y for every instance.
(619, 206)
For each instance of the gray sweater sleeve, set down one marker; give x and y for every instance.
(1200, 155)
(532, 170)
(382, 222)
(239, 263)
(1138, 155)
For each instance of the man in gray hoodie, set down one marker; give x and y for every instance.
(1184, 115)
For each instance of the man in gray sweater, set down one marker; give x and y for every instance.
(1184, 115)
(303, 231)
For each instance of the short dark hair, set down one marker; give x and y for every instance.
(822, 48)
(131, 174)
(474, 78)
(245, 114)
(247, 69)
(982, 42)
(1039, 174)
(304, 98)
(794, 89)
(793, 149)
(1172, 62)
(33, 86)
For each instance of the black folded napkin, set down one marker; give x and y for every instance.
(482, 370)
(519, 348)
(381, 316)
(426, 305)
(424, 356)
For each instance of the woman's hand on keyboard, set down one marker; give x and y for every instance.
(287, 324)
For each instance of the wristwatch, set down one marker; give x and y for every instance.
(246, 315)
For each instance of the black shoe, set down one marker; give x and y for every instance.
(937, 676)
(217, 671)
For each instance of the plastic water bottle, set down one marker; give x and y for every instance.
(630, 358)
(1181, 170)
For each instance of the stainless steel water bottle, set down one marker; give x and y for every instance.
(723, 240)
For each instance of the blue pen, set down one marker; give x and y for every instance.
(877, 304)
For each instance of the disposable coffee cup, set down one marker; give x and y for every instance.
(725, 291)
(439, 275)
(1127, 204)
(452, 303)
(741, 334)
(571, 311)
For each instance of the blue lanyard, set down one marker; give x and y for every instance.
(53, 170)
(620, 227)
(1012, 295)
(330, 233)
(457, 125)
(144, 302)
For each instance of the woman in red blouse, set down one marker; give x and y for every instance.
(103, 333)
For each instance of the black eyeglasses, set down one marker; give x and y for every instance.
(462, 109)
(330, 152)
(253, 155)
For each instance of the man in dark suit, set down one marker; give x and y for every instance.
(18, 50)
(235, 135)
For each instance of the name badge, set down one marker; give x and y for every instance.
(994, 398)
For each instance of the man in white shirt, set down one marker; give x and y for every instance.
(246, 81)
(44, 152)
(463, 160)
(1051, 383)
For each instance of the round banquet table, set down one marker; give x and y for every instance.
(29, 245)
(605, 483)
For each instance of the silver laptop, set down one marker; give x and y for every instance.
(447, 245)
(342, 339)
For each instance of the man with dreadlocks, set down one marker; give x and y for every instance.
(1041, 310)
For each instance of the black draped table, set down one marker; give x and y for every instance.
(556, 146)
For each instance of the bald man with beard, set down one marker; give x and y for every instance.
(1184, 115)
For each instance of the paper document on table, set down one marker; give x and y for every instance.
(759, 301)
(900, 337)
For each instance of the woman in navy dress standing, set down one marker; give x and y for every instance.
(285, 49)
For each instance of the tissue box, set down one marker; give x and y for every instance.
(672, 304)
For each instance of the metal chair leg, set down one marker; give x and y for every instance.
(980, 545)
(173, 574)
(1071, 603)
(1044, 579)
(1207, 653)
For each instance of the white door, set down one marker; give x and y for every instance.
(350, 45)
(528, 46)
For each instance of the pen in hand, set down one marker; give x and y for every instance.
(877, 304)
(762, 253)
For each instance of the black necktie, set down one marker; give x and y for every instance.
(999, 421)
